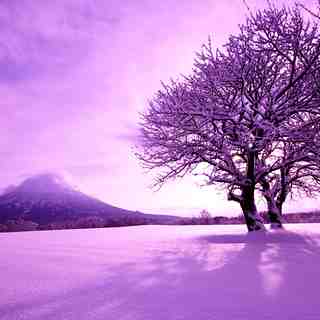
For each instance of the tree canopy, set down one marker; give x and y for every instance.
(247, 117)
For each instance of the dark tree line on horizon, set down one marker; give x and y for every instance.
(17, 225)
(88, 222)
(247, 117)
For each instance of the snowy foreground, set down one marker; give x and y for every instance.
(161, 273)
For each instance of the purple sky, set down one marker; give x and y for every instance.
(75, 73)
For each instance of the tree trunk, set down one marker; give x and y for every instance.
(246, 200)
(274, 213)
(274, 207)
(284, 191)
(252, 217)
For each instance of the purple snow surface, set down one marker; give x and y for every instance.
(161, 273)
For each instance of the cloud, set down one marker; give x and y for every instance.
(75, 74)
(89, 170)
(38, 38)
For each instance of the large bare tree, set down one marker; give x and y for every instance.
(247, 117)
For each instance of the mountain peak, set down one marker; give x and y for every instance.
(48, 199)
(45, 182)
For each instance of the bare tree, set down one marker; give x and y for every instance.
(246, 115)
(205, 217)
(311, 12)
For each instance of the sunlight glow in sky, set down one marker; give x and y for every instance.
(75, 74)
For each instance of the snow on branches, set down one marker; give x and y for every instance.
(247, 117)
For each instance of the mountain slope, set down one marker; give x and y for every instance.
(47, 198)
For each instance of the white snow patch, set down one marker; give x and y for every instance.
(161, 273)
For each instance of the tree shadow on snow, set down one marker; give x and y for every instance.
(272, 276)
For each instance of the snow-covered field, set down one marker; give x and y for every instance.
(161, 273)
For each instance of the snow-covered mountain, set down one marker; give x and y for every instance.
(48, 198)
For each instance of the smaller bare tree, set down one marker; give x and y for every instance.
(205, 216)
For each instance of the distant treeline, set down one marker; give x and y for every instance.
(14, 225)
(204, 218)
